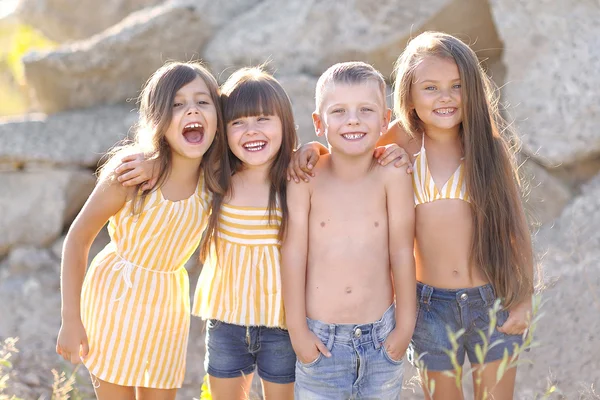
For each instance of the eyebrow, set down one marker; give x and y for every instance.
(435, 81)
(194, 94)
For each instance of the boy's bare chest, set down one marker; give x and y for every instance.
(346, 209)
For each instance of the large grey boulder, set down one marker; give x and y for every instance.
(552, 52)
(308, 36)
(36, 205)
(64, 20)
(546, 195)
(301, 90)
(76, 138)
(112, 66)
(569, 253)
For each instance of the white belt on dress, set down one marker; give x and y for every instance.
(126, 267)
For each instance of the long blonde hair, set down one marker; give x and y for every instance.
(155, 114)
(501, 242)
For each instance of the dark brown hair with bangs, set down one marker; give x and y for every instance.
(501, 243)
(155, 114)
(252, 92)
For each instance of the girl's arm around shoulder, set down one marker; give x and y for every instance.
(401, 231)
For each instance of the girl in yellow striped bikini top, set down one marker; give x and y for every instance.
(426, 191)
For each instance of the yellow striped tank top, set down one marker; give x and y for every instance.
(426, 191)
(135, 297)
(240, 282)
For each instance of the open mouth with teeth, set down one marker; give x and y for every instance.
(445, 111)
(193, 133)
(256, 145)
(353, 135)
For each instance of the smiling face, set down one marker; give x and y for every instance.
(436, 94)
(255, 140)
(194, 121)
(352, 116)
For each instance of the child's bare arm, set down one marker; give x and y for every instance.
(401, 225)
(294, 256)
(106, 200)
(136, 169)
(304, 160)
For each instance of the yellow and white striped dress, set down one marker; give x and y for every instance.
(135, 298)
(242, 286)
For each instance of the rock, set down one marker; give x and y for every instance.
(112, 66)
(552, 77)
(64, 21)
(29, 260)
(30, 379)
(547, 195)
(97, 245)
(301, 90)
(309, 36)
(574, 237)
(78, 138)
(35, 206)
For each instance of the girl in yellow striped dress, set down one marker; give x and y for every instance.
(239, 289)
(128, 320)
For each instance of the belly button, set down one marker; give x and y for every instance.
(376, 224)
(348, 290)
(455, 272)
(322, 224)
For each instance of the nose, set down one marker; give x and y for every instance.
(444, 95)
(353, 118)
(252, 127)
(193, 109)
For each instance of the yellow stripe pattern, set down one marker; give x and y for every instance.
(240, 282)
(135, 298)
(425, 188)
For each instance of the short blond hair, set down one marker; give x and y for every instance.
(351, 72)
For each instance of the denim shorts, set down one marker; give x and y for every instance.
(234, 350)
(468, 309)
(359, 366)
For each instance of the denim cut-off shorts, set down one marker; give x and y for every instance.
(234, 350)
(466, 309)
(359, 366)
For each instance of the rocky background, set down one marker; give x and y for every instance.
(544, 54)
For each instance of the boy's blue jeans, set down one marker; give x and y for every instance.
(359, 366)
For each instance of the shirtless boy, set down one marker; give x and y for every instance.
(349, 250)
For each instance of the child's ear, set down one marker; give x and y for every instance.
(318, 123)
(387, 117)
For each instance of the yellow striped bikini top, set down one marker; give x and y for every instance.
(425, 188)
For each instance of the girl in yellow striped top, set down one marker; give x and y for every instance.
(239, 289)
(128, 320)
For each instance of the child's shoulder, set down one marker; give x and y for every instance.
(405, 140)
(390, 174)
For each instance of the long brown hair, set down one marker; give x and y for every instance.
(155, 114)
(253, 92)
(501, 242)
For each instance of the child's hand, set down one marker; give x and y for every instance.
(308, 346)
(395, 345)
(303, 161)
(392, 153)
(72, 342)
(140, 171)
(518, 320)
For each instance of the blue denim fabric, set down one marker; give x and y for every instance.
(234, 350)
(457, 309)
(359, 366)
